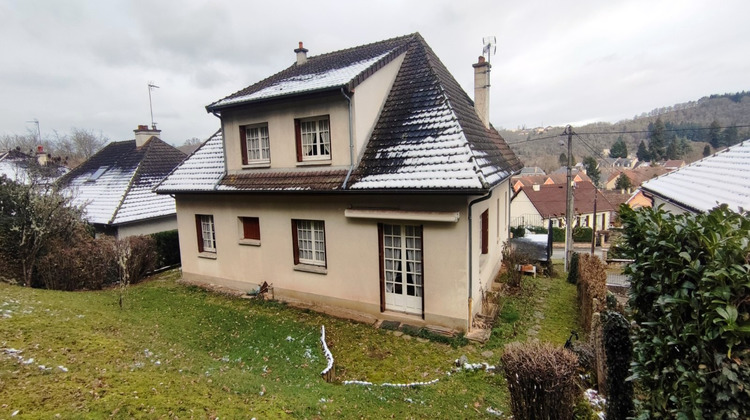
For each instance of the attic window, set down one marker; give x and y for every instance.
(97, 174)
(313, 137)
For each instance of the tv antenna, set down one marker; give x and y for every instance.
(151, 86)
(490, 47)
(38, 131)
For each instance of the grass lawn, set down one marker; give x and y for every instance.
(181, 352)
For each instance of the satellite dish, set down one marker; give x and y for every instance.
(490, 47)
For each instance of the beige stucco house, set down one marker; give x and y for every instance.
(539, 204)
(364, 179)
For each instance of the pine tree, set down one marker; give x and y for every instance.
(592, 169)
(642, 153)
(707, 151)
(730, 137)
(714, 134)
(619, 149)
(623, 183)
(563, 159)
(672, 151)
(657, 140)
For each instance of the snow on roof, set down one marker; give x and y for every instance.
(723, 178)
(115, 185)
(306, 82)
(201, 171)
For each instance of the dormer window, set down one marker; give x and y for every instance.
(313, 139)
(256, 147)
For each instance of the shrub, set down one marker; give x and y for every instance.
(582, 234)
(541, 380)
(537, 229)
(136, 257)
(592, 288)
(167, 248)
(573, 269)
(518, 231)
(691, 302)
(619, 349)
(512, 258)
(87, 265)
(558, 234)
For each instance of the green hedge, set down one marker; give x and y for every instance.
(167, 248)
(580, 234)
(518, 231)
(690, 300)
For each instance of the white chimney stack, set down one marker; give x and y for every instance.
(482, 90)
(41, 157)
(143, 133)
(301, 54)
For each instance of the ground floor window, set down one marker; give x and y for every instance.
(401, 268)
(204, 224)
(309, 240)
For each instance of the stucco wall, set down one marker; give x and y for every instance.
(669, 206)
(352, 277)
(147, 227)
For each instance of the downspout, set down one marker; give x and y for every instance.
(471, 253)
(351, 141)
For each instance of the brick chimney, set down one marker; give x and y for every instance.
(301, 54)
(482, 90)
(143, 133)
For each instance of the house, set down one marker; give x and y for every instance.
(532, 170)
(115, 185)
(540, 204)
(722, 178)
(520, 181)
(364, 180)
(637, 176)
(23, 168)
(673, 164)
(638, 199)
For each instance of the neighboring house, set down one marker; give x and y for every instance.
(637, 176)
(638, 199)
(520, 181)
(671, 165)
(628, 163)
(115, 186)
(364, 180)
(722, 178)
(537, 205)
(532, 170)
(24, 168)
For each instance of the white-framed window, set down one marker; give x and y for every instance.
(256, 144)
(309, 238)
(313, 139)
(206, 233)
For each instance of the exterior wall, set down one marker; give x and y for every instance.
(280, 118)
(352, 276)
(668, 206)
(639, 200)
(486, 266)
(145, 227)
(521, 206)
(368, 100)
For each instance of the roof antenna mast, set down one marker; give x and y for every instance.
(490, 47)
(151, 86)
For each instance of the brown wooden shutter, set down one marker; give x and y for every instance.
(251, 228)
(295, 243)
(199, 232)
(485, 231)
(298, 139)
(243, 144)
(381, 256)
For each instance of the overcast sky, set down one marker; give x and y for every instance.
(86, 64)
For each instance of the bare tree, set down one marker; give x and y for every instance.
(86, 142)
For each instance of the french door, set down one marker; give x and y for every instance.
(401, 268)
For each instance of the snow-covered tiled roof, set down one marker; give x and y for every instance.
(115, 184)
(201, 171)
(19, 167)
(345, 68)
(723, 178)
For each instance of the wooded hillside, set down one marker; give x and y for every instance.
(687, 123)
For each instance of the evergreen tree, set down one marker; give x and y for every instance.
(642, 153)
(619, 149)
(684, 147)
(563, 159)
(714, 134)
(707, 151)
(592, 169)
(657, 140)
(730, 137)
(672, 151)
(623, 183)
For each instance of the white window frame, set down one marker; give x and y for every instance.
(257, 143)
(315, 138)
(208, 233)
(311, 242)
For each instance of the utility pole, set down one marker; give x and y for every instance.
(569, 200)
(593, 232)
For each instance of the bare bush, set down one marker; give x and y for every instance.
(511, 259)
(592, 288)
(541, 379)
(87, 265)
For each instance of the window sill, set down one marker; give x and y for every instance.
(308, 268)
(250, 242)
(258, 165)
(314, 162)
(207, 255)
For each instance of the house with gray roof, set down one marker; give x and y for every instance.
(115, 185)
(722, 178)
(363, 179)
